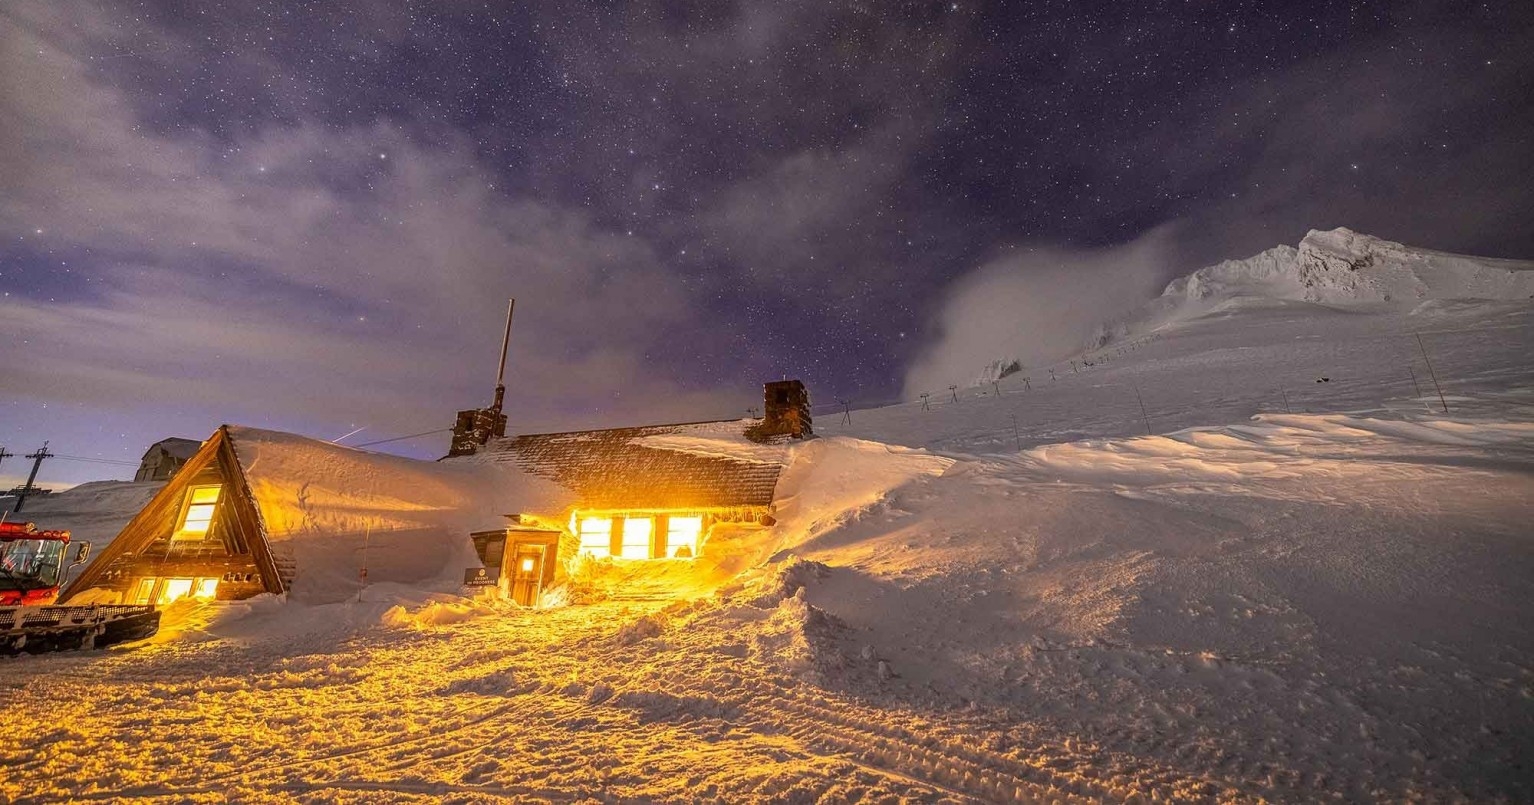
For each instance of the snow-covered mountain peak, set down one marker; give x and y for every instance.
(1342, 267)
(1338, 268)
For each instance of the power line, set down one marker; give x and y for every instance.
(96, 460)
(402, 438)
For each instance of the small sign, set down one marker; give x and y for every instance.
(479, 577)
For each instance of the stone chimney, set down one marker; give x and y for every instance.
(474, 428)
(786, 412)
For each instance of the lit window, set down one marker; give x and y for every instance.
(636, 537)
(597, 536)
(163, 591)
(197, 517)
(682, 535)
(175, 590)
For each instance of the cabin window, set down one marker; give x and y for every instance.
(636, 537)
(639, 535)
(597, 535)
(197, 514)
(174, 590)
(682, 535)
(162, 590)
(143, 592)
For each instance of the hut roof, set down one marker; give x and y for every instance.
(688, 465)
(176, 447)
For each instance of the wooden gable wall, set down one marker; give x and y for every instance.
(235, 551)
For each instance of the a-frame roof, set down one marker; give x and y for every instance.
(217, 453)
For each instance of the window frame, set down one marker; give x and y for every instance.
(182, 534)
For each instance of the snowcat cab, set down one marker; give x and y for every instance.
(32, 569)
(32, 563)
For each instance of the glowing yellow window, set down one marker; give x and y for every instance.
(636, 537)
(597, 536)
(197, 516)
(682, 535)
(174, 590)
(177, 589)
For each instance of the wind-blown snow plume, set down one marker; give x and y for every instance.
(1036, 305)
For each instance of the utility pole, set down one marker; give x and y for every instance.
(846, 411)
(925, 405)
(1051, 375)
(37, 462)
(1409, 371)
(1287, 409)
(4, 455)
(954, 390)
(1027, 386)
(996, 384)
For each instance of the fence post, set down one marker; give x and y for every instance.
(1431, 373)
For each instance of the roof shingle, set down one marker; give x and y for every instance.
(616, 469)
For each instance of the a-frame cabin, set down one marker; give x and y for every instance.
(199, 536)
(259, 511)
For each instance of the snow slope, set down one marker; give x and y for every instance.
(93, 511)
(1289, 575)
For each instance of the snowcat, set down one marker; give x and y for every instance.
(32, 569)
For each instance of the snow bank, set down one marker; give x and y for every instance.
(330, 510)
(1277, 448)
(832, 479)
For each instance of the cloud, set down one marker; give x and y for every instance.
(306, 273)
(1036, 305)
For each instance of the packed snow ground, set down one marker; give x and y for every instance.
(1294, 590)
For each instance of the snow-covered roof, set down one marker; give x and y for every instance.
(322, 504)
(176, 447)
(689, 465)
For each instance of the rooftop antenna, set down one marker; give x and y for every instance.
(500, 374)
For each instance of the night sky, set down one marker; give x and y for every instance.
(309, 216)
